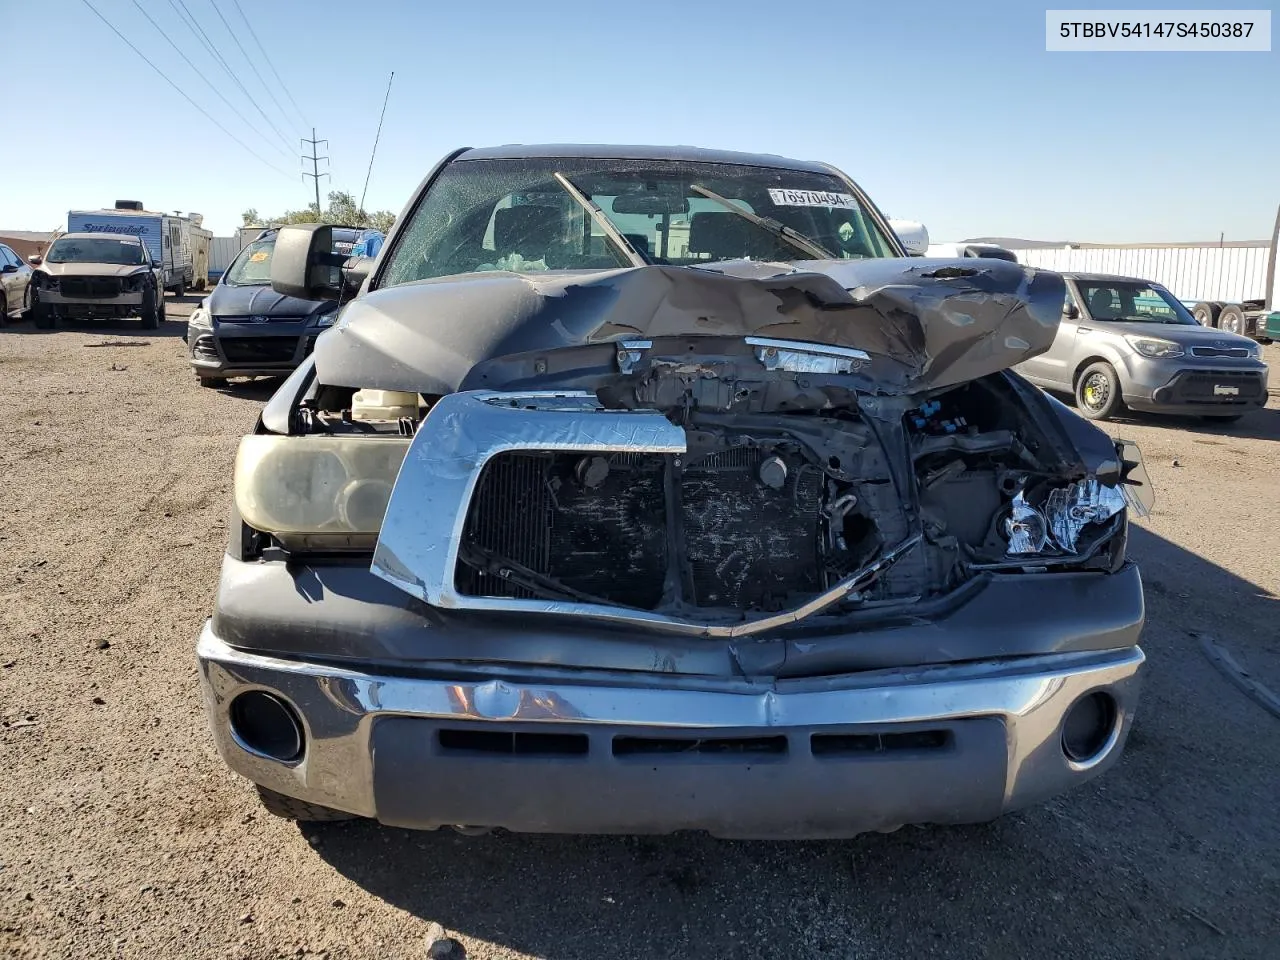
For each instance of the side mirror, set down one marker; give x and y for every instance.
(913, 235)
(35, 259)
(1071, 311)
(302, 262)
(9, 268)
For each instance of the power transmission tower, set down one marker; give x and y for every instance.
(315, 173)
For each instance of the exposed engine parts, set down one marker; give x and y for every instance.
(789, 485)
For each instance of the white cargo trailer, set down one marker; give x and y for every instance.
(1232, 286)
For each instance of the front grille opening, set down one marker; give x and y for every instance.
(731, 746)
(600, 526)
(862, 744)
(259, 349)
(514, 744)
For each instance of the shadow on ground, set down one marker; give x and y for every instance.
(111, 329)
(1260, 424)
(1170, 854)
(257, 388)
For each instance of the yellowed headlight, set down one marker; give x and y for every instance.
(316, 485)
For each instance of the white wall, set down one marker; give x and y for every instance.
(1230, 274)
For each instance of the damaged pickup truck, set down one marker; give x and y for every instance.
(640, 490)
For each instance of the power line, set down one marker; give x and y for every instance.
(315, 173)
(376, 137)
(269, 63)
(200, 73)
(181, 92)
(194, 27)
(247, 58)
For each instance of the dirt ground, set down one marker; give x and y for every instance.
(123, 835)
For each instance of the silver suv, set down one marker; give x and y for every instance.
(1125, 342)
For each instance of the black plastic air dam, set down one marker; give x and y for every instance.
(742, 794)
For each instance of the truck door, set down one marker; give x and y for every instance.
(1056, 364)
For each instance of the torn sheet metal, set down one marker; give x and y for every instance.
(923, 323)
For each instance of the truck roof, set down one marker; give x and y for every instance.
(598, 151)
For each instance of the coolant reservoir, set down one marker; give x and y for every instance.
(384, 405)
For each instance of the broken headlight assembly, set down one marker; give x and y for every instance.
(1051, 522)
(321, 493)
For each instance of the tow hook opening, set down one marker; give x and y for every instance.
(265, 724)
(1090, 728)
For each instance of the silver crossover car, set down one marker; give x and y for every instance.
(1125, 342)
(640, 490)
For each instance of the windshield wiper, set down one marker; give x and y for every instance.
(778, 229)
(637, 258)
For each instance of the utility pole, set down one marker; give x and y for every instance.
(315, 173)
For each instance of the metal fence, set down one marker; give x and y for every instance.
(222, 250)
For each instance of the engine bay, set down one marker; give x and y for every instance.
(790, 485)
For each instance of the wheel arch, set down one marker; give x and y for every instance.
(1086, 363)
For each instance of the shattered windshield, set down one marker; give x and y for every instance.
(518, 215)
(1132, 302)
(122, 252)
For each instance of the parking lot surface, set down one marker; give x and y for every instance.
(122, 834)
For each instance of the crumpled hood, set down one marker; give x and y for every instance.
(925, 323)
(260, 300)
(93, 269)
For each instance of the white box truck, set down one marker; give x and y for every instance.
(166, 236)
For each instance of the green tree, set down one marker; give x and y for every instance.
(342, 209)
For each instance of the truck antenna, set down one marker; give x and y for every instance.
(376, 137)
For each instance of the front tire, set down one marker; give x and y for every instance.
(152, 309)
(42, 314)
(1098, 392)
(291, 808)
(180, 290)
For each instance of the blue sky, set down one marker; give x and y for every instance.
(950, 113)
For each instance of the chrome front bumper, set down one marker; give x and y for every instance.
(386, 746)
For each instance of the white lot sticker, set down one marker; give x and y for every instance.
(811, 198)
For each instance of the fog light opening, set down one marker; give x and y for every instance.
(1090, 727)
(265, 724)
